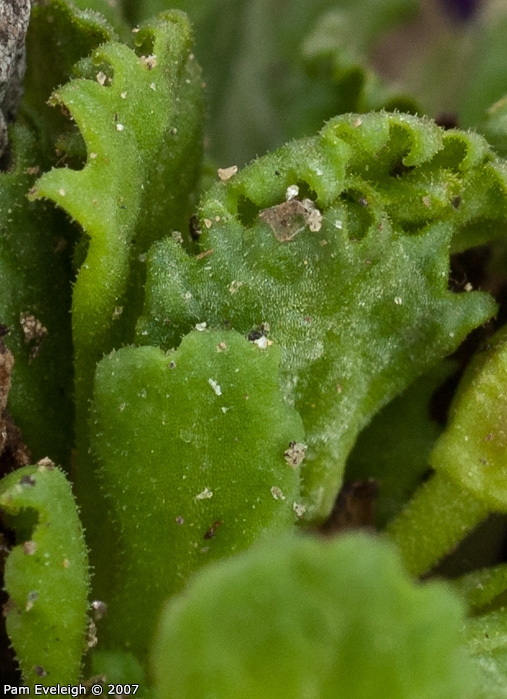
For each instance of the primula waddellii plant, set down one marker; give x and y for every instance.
(246, 308)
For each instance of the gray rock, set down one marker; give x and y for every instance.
(14, 18)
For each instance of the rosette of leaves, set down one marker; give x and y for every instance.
(304, 618)
(336, 247)
(140, 116)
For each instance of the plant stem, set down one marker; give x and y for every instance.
(436, 519)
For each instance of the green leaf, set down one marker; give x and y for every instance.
(349, 277)
(277, 70)
(494, 126)
(141, 119)
(483, 589)
(469, 460)
(34, 305)
(150, 107)
(486, 637)
(487, 77)
(191, 446)
(46, 576)
(303, 618)
(59, 35)
(473, 448)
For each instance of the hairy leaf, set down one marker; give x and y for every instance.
(199, 457)
(149, 106)
(336, 247)
(277, 70)
(140, 117)
(46, 576)
(469, 460)
(59, 35)
(303, 618)
(486, 637)
(473, 448)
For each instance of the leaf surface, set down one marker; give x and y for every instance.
(354, 287)
(46, 576)
(191, 446)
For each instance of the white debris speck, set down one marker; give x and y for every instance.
(277, 493)
(263, 342)
(153, 86)
(451, 334)
(468, 287)
(123, 95)
(45, 464)
(101, 77)
(215, 386)
(93, 156)
(314, 219)
(149, 61)
(207, 222)
(118, 310)
(299, 509)
(205, 494)
(61, 192)
(398, 301)
(29, 548)
(122, 407)
(225, 173)
(201, 327)
(234, 286)
(338, 224)
(119, 127)
(292, 192)
(142, 257)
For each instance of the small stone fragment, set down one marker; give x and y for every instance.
(295, 454)
(34, 332)
(29, 547)
(290, 218)
(226, 173)
(204, 494)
